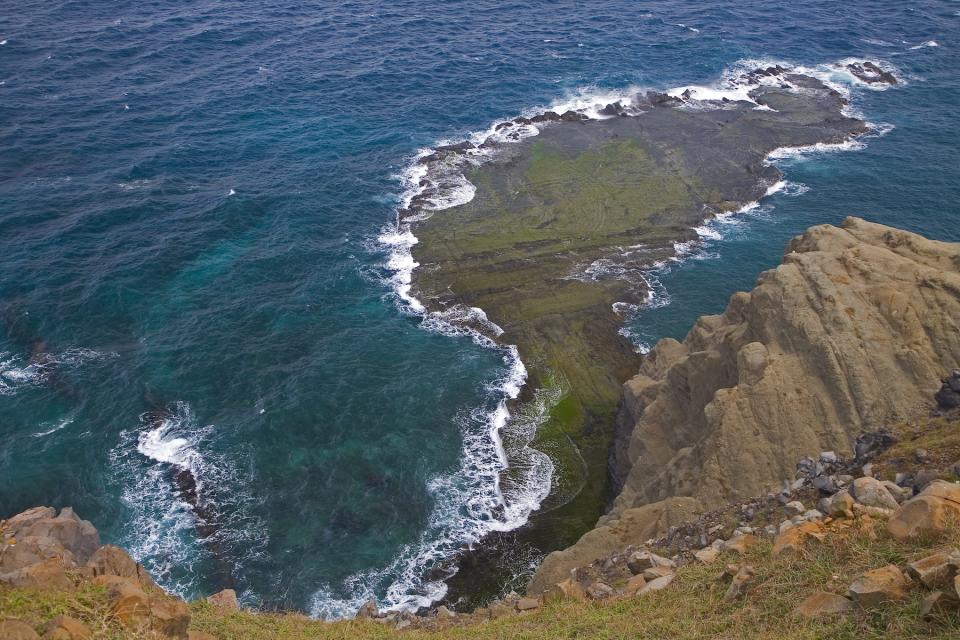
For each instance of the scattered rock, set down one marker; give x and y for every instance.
(634, 585)
(657, 585)
(869, 445)
(66, 628)
(740, 544)
(879, 586)
(794, 539)
(795, 508)
(933, 511)
(17, 630)
(935, 604)
(227, 600)
(368, 610)
(706, 555)
(823, 604)
(600, 591)
(528, 604)
(936, 571)
(871, 492)
(569, 588)
(840, 505)
(740, 583)
(644, 560)
(444, 613)
(653, 573)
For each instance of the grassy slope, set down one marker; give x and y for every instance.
(693, 607)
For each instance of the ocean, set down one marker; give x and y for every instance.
(200, 269)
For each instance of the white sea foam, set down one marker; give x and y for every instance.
(471, 502)
(925, 45)
(17, 374)
(163, 535)
(56, 425)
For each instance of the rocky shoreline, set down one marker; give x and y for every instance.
(557, 240)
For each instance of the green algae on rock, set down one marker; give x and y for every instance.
(567, 215)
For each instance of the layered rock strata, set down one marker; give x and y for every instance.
(853, 331)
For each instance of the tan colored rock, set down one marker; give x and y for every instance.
(823, 604)
(611, 536)
(935, 604)
(46, 574)
(795, 539)
(640, 561)
(568, 588)
(876, 512)
(936, 571)
(934, 511)
(599, 591)
(707, 555)
(66, 628)
(840, 505)
(226, 600)
(653, 573)
(656, 585)
(528, 604)
(128, 602)
(879, 586)
(109, 560)
(871, 492)
(368, 610)
(169, 616)
(17, 630)
(740, 583)
(741, 544)
(634, 585)
(853, 330)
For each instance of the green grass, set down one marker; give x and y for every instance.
(692, 608)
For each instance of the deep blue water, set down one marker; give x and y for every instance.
(190, 199)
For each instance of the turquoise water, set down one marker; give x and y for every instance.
(191, 196)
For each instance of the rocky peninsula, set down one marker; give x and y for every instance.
(563, 226)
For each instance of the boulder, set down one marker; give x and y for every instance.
(641, 560)
(46, 574)
(656, 585)
(932, 512)
(740, 583)
(740, 544)
(823, 604)
(109, 560)
(794, 508)
(707, 555)
(66, 628)
(367, 610)
(128, 602)
(935, 604)
(600, 591)
(870, 492)
(17, 630)
(227, 600)
(879, 586)
(169, 616)
(839, 505)
(948, 397)
(656, 572)
(568, 588)
(528, 604)
(794, 539)
(634, 585)
(936, 571)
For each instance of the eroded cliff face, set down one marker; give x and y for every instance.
(853, 330)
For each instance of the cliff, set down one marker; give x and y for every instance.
(851, 332)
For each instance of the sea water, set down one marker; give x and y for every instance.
(199, 267)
